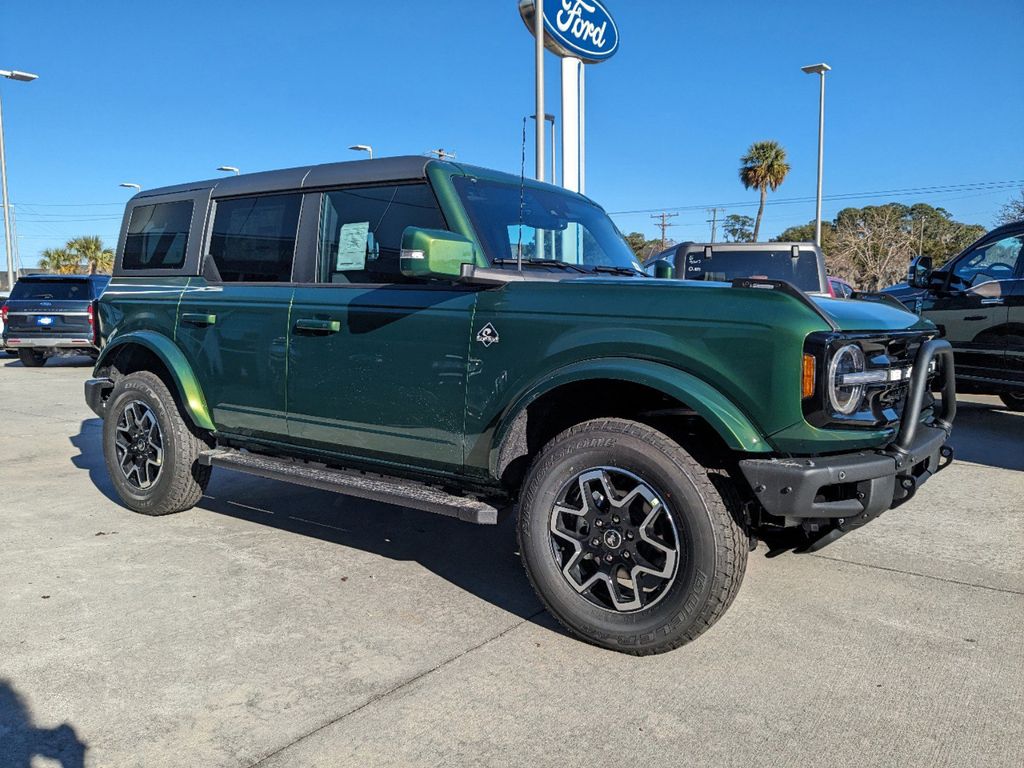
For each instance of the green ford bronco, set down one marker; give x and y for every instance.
(462, 341)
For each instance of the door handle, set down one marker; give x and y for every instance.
(997, 300)
(317, 327)
(975, 318)
(201, 320)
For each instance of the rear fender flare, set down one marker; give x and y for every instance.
(178, 368)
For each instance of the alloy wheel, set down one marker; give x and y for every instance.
(614, 540)
(138, 443)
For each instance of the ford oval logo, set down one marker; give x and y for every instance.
(583, 29)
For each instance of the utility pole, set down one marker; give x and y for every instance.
(664, 217)
(713, 221)
(442, 154)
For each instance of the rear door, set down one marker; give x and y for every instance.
(377, 364)
(233, 320)
(973, 311)
(1015, 329)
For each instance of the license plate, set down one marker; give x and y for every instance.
(44, 321)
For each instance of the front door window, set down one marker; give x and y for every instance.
(993, 262)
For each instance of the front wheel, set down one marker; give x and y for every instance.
(1014, 401)
(32, 358)
(626, 539)
(151, 451)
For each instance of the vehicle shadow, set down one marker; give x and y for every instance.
(989, 435)
(89, 442)
(58, 361)
(21, 741)
(482, 560)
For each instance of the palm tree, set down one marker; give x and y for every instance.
(762, 167)
(59, 261)
(90, 250)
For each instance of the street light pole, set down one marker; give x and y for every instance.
(230, 169)
(363, 148)
(820, 70)
(129, 185)
(24, 77)
(538, 34)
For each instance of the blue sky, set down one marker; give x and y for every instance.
(923, 94)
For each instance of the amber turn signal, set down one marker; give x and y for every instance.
(808, 376)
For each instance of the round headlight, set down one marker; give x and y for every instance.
(846, 399)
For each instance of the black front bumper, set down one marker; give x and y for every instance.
(831, 495)
(96, 393)
(848, 487)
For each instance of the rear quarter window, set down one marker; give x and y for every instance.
(158, 236)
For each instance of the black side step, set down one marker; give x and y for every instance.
(404, 493)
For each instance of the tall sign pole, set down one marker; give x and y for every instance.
(580, 32)
(538, 33)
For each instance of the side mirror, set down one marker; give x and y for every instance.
(919, 272)
(434, 253)
(663, 270)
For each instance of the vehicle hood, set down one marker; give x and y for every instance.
(865, 315)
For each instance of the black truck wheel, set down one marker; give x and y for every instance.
(151, 450)
(626, 540)
(1014, 401)
(32, 358)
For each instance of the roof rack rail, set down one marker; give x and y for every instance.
(790, 290)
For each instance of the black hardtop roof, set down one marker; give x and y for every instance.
(380, 170)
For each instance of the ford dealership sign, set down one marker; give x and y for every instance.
(583, 29)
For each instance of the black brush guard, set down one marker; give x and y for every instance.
(803, 489)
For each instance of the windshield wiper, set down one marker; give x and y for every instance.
(542, 263)
(619, 271)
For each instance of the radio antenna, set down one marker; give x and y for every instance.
(522, 199)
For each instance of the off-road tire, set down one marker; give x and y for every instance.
(712, 543)
(32, 358)
(1014, 401)
(181, 479)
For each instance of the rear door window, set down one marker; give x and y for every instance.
(158, 236)
(253, 238)
(361, 230)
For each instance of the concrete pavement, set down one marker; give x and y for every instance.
(281, 626)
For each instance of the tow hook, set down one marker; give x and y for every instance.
(946, 452)
(907, 487)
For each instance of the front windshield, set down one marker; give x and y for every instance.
(549, 226)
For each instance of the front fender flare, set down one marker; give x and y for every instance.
(180, 371)
(737, 431)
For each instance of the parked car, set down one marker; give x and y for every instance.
(462, 341)
(839, 288)
(4, 295)
(801, 264)
(977, 302)
(907, 295)
(49, 314)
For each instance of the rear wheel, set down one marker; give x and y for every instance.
(626, 539)
(151, 450)
(32, 358)
(1013, 400)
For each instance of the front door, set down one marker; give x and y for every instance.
(233, 321)
(377, 365)
(973, 312)
(1015, 331)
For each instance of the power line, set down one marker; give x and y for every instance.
(986, 185)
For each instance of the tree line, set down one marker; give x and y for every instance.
(870, 246)
(80, 255)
